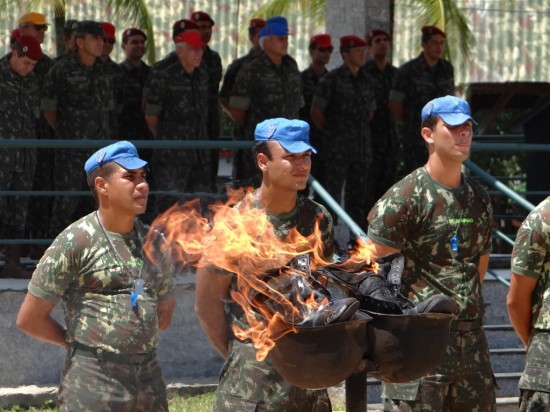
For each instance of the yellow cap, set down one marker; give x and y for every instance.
(32, 18)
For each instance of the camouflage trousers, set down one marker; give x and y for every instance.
(534, 401)
(248, 385)
(463, 381)
(90, 385)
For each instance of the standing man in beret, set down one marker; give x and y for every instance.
(267, 87)
(114, 298)
(78, 101)
(19, 112)
(283, 154)
(441, 221)
(417, 82)
(177, 109)
(212, 63)
(132, 124)
(385, 145)
(343, 104)
(320, 49)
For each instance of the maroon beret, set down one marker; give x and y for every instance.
(321, 40)
(349, 42)
(201, 16)
(431, 30)
(375, 32)
(29, 46)
(256, 23)
(132, 32)
(182, 25)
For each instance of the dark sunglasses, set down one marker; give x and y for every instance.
(37, 27)
(110, 41)
(324, 49)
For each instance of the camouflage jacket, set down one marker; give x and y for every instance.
(180, 99)
(81, 270)
(416, 84)
(384, 139)
(265, 90)
(131, 121)
(212, 63)
(233, 69)
(310, 81)
(419, 216)
(19, 103)
(531, 257)
(168, 60)
(83, 97)
(347, 102)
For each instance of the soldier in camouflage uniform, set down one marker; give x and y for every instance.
(19, 111)
(341, 108)
(283, 154)
(528, 305)
(115, 300)
(385, 147)
(440, 219)
(131, 121)
(177, 109)
(417, 82)
(320, 50)
(212, 63)
(78, 99)
(267, 87)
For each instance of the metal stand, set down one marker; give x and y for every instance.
(356, 392)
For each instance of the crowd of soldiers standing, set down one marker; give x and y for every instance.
(360, 113)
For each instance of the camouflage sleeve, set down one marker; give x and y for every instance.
(229, 79)
(241, 92)
(323, 93)
(488, 235)
(398, 91)
(154, 94)
(48, 99)
(529, 256)
(57, 269)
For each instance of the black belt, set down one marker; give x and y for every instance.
(124, 358)
(467, 325)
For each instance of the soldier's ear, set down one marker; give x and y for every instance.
(427, 134)
(100, 184)
(262, 159)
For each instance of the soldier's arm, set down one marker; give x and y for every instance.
(318, 117)
(211, 290)
(519, 304)
(34, 318)
(483, 265)
(152, 122)
(165, 311)
(51, 118)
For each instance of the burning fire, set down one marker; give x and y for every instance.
(241, 240)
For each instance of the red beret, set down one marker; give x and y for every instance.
(256, 23)
(192, 38)
(321, 40)
(15, 34)
(349, 42)
(375, 32)
(181, 25)
(109, 30)
(430, 30)
(201, 16)
(132, 32)
(29, 46)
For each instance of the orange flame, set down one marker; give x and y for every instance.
(242, 240)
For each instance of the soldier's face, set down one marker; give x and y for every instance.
(451, 143)
(108, 45)
(276, 45)
(356, 57)
(127, 191)
(91, 44)
(380, 46)
(285, 171)
(205, 30)
(435, 47)
(34, 30)
(190, 57)
(21, 65)
(134, 48)
(321, 54)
